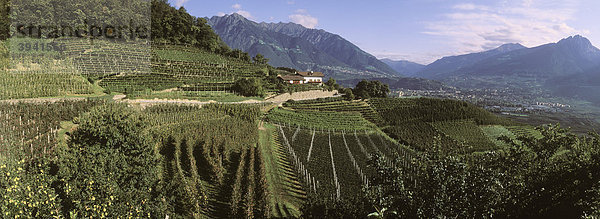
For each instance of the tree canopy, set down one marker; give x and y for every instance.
(249, 87)
(553, 176)
(108, 169)
(260, 59)
(370, 89)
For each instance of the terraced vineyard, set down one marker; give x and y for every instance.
(494, 132)
(120, 67)
(322, 120)
(44, 79)
(187, 68)
(34, 128)
(101, 58)
(420, 122)
(336, 105)
(525, 131)
(467, 133)
(333, 165)
(210, 159)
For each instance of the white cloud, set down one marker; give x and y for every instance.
(291, 2)
(301, 11)
(470, 7)
(179, 3)
(302, 17)
(246, 14)
(473, 28)
(238, 9)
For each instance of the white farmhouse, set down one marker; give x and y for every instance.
(303, 78)
(312, 77)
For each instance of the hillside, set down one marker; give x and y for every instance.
(189, 64)
(331, 153)
(332, 44)
(291, 45)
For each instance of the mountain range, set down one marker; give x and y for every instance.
(295, 46)
(406, 68)
(447, 65)
(568, 68)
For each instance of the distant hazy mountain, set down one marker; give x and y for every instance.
(568, 68)
(584, 86)
(292, 45)
(443, 67)
(403, 67)
(569, 56)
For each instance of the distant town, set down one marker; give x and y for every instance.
(506, 101)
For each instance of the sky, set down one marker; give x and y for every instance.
(422, 31)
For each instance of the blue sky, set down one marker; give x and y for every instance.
(423, 30)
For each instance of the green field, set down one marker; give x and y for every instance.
(494, 132)
(467, 133)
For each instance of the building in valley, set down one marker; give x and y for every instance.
(292, 79)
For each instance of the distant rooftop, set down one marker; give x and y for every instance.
(291, 77)
(311, 74)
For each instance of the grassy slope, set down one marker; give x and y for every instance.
(285, 197)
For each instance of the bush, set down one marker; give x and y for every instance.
(250, 87)
(332, 85)
(348, 94)
(368, 89)
(109, 170)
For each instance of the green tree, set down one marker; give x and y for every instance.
(249, 87)
(348, 94)
(290, 70)
(4, 19)
(26, 189)
(371, 89)
(331, 84)
(260, 59)
(239, 54)
(535, 177)
(170, 25)
(552, 176)
(109, 169)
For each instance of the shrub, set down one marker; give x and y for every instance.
(249, 87)
(109, 170)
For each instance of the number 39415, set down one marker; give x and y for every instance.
(41, 47)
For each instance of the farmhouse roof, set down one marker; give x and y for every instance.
(311, 74)
(291, 77)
